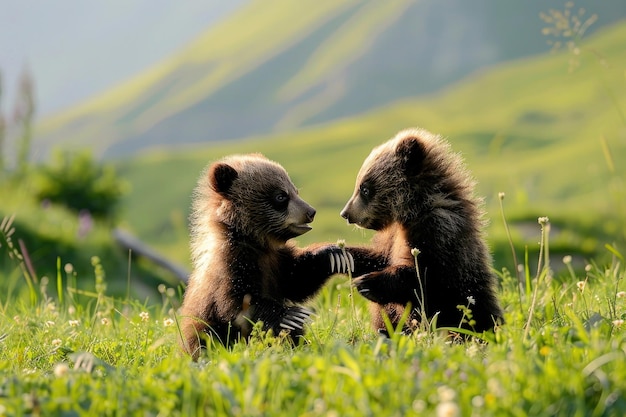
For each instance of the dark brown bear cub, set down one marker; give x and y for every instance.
(416, 193)
(245, 208)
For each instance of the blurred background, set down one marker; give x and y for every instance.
(110, 110)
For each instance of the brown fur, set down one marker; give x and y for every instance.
(245, 208)
(416, 193)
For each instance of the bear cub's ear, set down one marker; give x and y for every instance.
(221, 177)
(411, 152)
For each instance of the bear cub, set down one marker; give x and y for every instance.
(245, 208)
(415, 192)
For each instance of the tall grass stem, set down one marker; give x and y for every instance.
(510, 239)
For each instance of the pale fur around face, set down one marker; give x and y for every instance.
(440, 184)
(245, 207)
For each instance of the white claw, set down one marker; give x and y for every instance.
(351, 259)
(338, 262)
(302, 314)
(285, 326)
(296, 319)
(343, 263)
(332, 263)
(292, 324)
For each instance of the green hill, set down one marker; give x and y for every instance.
(552, 139)
(272, 68)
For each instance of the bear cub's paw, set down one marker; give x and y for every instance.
(372, 287)
(295, 318)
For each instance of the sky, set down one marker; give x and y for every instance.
(92, 45)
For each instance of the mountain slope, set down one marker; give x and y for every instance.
(529, 128)
(274, 68)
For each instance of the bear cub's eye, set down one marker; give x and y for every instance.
(280, 199)
(365, 191)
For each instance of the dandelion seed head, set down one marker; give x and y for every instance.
(68, 268)
(567, 259)
(471, 300)
(105, 321)
(61, 369)
(588, 268)
(543, 220)
(621, 294)
(168, 322)
(415, 252)
(162, 288)
(618, 323)
(580, 285)
(501, 195)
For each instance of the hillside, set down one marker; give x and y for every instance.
(271, 68)
(529, 128)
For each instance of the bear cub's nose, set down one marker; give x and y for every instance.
(310, 215)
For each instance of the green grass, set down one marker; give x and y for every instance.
(51, 237)
(92, 354)
(77, 344)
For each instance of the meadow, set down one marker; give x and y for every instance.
(94, 334)
(562, 351)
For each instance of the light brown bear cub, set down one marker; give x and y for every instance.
(416, 193)
(245, 209)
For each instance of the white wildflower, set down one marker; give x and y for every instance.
(145, 316)
(446, 394)
(478, 401)
(448, 409)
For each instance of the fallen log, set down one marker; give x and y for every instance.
(128, 241)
